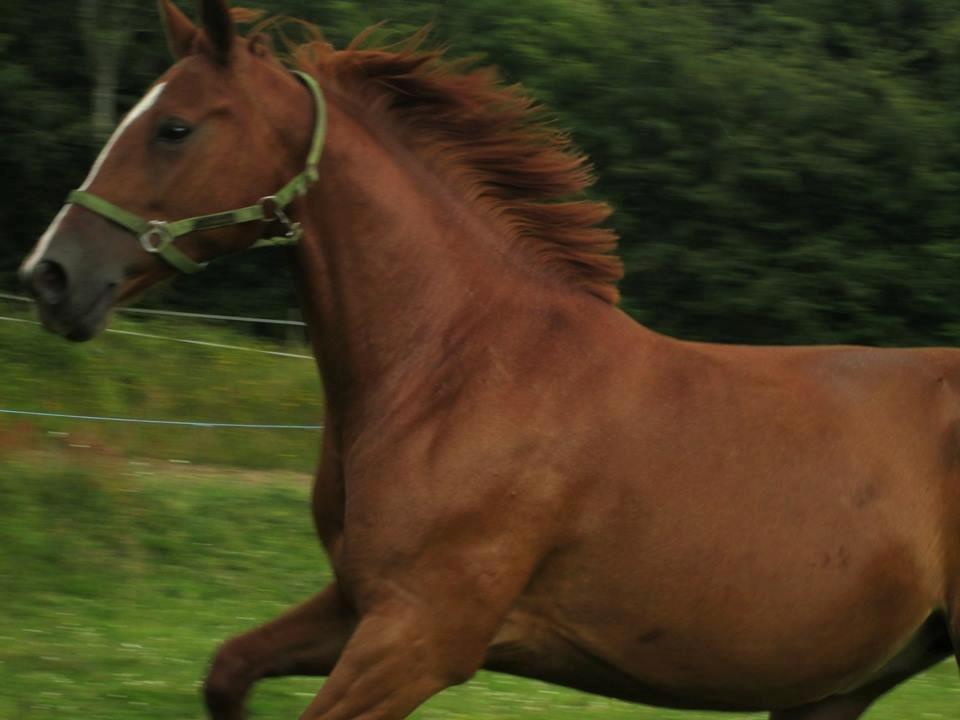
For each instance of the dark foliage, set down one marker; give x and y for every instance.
(782, 171)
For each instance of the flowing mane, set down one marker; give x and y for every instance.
(491, 139)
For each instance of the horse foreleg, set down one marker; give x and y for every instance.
(306, 640)
(396, 659)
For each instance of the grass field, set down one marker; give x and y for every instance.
(133, 376)
(117, 581)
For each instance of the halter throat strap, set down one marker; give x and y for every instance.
(158, 236)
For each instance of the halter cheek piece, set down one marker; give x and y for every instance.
(158, 236)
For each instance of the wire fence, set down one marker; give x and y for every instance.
(151, 336)
(180, 314)
(176, 423)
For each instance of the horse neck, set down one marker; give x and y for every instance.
(395, 270)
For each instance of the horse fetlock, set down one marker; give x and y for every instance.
(227, 683)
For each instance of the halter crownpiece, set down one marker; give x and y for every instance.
(157, 236)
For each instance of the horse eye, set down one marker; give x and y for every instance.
(173, 130)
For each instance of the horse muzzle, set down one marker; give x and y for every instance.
(73, 283)
(76, 313)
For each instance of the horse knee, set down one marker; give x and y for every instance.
(226, 683)
(463, 666)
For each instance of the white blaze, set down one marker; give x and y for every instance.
(147, 102)
(40, 250)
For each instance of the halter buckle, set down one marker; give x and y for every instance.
(273, 212)
(159, 231)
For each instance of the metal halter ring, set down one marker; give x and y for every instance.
(158, 229)
(272, 209)
(273, 212)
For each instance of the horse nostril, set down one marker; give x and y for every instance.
(49, 282)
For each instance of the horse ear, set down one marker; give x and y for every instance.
(181, 33)
(261, 45)
(218, 24)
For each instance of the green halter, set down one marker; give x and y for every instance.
(158, 236)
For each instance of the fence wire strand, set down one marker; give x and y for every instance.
(151, 336)
(143, 421)
(204, 343)
(181, 314)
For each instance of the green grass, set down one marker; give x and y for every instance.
(118, 580)
(123, 375)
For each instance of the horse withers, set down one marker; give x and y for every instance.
(515, 475)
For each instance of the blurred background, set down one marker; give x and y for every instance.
(783, 171)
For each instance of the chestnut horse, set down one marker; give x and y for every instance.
(515, 475)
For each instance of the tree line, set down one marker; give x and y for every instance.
(783, 171)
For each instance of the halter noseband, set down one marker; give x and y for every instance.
(158, 236)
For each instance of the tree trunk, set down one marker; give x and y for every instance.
(106, 72)
(107, 33)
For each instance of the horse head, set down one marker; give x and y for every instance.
(191, 173)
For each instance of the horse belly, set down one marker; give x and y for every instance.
(529, 646)
(711, 625)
